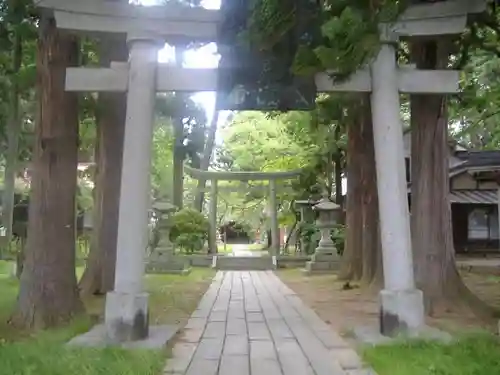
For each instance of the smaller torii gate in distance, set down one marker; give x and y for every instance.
(272, 177)
(148, 28)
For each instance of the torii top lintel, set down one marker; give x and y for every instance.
(179, 22)
(241, 176)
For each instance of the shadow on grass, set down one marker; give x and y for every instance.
(172, 299)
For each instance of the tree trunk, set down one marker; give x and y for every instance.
(362, 259)
(432, 239)
(371, 245)
(99, 274)
(13, 132)
(337, 163)
(199, 196)
(352, 266)
(48, 293)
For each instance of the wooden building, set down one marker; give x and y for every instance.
(473, 197)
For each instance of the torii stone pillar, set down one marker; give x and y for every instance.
(273, 213)
(212, 238)
(126, 313)
(401, 303)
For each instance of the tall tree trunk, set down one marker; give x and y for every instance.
(432, 238)
(362, 256)
(48, 293)
(352, 266)
(371, 245)
(13, 133)
(99, 274)
(199, 196)
(337, 163)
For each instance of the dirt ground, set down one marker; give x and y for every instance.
(346, 309)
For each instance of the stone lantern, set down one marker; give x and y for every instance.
(325, 258)
(162, 258)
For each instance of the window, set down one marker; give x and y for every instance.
(483, 224)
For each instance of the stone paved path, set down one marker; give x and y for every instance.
(252, 323)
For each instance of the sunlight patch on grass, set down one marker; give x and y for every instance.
(472, 355)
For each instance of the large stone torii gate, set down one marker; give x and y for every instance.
(272, 177)
(147, 29)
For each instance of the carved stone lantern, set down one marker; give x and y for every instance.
(162, 258)
(325, 258)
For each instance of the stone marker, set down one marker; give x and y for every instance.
(162, 258)
(325, 258)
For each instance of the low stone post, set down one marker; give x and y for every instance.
(325, 258)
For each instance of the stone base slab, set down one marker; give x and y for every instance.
(401, 312)
(126, 316)
(321, 267)
(370, 335)
(167, 269)
(97, 337)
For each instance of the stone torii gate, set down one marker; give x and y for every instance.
(272, 177)
(148, 28)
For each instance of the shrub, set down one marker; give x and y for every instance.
(190, 230)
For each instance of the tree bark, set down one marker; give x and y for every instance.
(352, 266)
(99, 274)
(362, 259)
(199, 196)
(48, 293)
(337, 163)
(371, 245)
(13, 132)
(432, 238)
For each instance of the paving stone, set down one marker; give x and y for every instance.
(258, 331)
(215, 330)
(192, 335)
(196, 323)
(255, 317)
(236, 345)
(331, 340)
(262, 350)
(209, 349)
(217, 316)
(279, 329)
(347, 358)
(236, 327)
(182, 353)
(235, 364)
(292, 358)
(203, 367)
(265, 367)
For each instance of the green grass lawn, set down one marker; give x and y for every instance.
(474, 355)
(172, 299)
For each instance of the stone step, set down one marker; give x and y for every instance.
(244, 263)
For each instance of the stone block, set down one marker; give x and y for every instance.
(182, 354)
(401, 312)
(126, 316)
(98, 337)
(236, 345)
(322, 266)
(232, 365)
